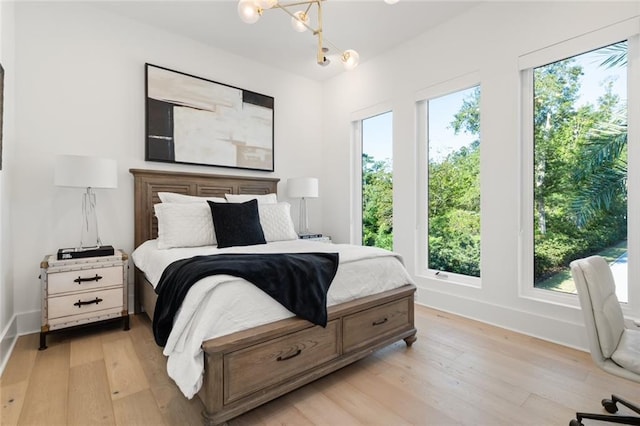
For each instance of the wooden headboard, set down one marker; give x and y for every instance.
(147, 184)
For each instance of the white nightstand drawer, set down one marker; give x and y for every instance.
(83, 303)
(84, 279)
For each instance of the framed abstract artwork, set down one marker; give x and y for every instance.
(192, 120)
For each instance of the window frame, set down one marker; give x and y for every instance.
(457, 84)
(627, 30)
(355, 228)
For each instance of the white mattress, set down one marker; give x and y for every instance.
(223, 304)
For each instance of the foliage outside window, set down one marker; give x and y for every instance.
(580, 163)
(454, 182)
(377, 181)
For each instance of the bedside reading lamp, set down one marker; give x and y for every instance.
(86, 172)
(303, 188)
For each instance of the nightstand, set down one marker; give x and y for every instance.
(78, 292)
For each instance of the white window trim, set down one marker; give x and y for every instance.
(625, 30)
(422, 97)
(357, 118)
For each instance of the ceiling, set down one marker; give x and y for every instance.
(371, 27)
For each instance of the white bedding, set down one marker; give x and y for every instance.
(223, 304)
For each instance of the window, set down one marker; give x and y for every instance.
(377, 181)
(451, 139)
(580, 165)
(577, 187)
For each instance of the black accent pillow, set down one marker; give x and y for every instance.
(237, 224)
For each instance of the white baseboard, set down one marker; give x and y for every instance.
(550, 329)
(20, 324)
(8, 340)
(29, 322)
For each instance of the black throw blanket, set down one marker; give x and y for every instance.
(298, 281)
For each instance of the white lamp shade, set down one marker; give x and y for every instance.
(302, 187)
(86, 172)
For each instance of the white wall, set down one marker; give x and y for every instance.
(487, 40)
(8, 323)
(80, 85)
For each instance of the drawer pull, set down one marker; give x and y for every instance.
(79, 303)
(380, 322)
(284, 358)
(81, 280)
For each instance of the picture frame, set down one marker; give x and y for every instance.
(194, 120)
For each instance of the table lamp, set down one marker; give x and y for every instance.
(86, 172)
(303, 188)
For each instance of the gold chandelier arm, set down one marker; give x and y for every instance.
(298, 3)
(348, 57)
(284, 9)
(320, 53)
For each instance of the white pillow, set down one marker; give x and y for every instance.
(262, 199)
(172, 197)
(184, 225)
(276, 222)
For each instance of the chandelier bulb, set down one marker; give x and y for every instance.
(350, 59)
(299, 20)
(268, 4)
(249, 11)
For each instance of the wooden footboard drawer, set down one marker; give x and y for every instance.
(257, 367)
(364, 327)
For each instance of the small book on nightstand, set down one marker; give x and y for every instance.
(72, 253)
(307, 236)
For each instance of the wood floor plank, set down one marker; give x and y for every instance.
(318, 408)
(86, 350)
(362, 406)
(12, 397)
(46, 398)
(175, 408)
(138, 409)
(126, 375)
(394, 396)
(89, 395)
(22, 358)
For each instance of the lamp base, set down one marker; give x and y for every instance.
(82, 252)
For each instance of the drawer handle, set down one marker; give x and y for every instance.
(380, 322)
(284, 358)
(79, 303)
(81, 280)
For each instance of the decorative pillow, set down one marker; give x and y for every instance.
(172, 197)
(262, 198)
(276, 222)
(237, 224)
(184, 225)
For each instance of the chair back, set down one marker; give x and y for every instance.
(604, 321)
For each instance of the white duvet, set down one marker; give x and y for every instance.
(223, 304)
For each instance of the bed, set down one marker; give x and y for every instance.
(250, 367)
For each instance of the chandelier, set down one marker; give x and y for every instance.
(251, 10)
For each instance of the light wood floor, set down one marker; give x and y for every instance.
(458, 372)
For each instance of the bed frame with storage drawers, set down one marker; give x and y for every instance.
(248, 368)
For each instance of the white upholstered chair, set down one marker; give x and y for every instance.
(614, 347)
